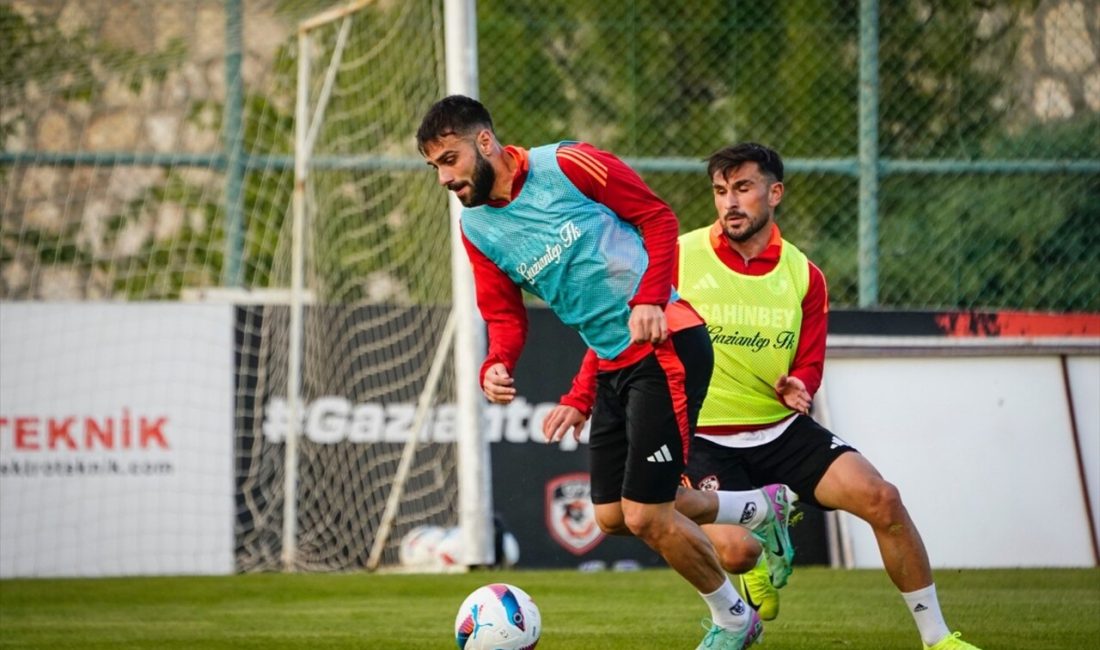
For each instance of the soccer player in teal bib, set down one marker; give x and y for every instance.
(578, 228)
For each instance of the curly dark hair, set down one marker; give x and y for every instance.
(453, 115)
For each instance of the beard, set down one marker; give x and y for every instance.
(481, 182)
(752, 226)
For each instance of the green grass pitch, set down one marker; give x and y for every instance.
(821, 609)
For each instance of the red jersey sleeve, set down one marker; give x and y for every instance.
(676, 264)
(603, 177)
(809, 357)
(582, 395)
(500, 302)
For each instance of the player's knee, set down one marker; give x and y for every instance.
(645, 523)
(736, 558)
(885, 508)
(611, 522)
(736, 548)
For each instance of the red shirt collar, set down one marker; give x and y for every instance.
(523, 164)
(732, 258)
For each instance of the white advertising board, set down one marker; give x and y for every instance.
(982, 451)
(116, 439)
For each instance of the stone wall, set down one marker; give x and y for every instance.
(154, 118)
(1058, 71)
(133, 110)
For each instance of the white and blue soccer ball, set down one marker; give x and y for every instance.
(498, 616)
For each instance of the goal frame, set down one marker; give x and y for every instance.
(463, 335)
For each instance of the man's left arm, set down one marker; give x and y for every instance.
(603, 177)
(809, 358)
(575, 406)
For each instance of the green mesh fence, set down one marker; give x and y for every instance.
(988, 126)
(147, 146)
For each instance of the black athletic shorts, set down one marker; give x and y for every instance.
(644, 418)
(797, 458)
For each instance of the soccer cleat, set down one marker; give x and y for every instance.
(719, 638)
(774, 535)
(758, 591)
(951, 642)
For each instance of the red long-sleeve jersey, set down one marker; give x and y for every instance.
(809, 358)
(602, 177)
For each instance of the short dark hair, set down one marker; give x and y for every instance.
(730, 158)
(453, 115)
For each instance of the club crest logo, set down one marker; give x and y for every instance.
(708, 483)
(570, 516)
(779, 284)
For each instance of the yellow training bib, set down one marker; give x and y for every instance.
(753, 323)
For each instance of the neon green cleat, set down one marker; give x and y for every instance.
(719, 638)
(952, 642)
(758, 591)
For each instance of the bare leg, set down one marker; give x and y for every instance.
(735, 546)
(854, 485)
(609, 516)
(697, 505)
(678, 540)
(738, 551)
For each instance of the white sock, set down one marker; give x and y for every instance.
(925, 608)
(744, 508)
(726, 607)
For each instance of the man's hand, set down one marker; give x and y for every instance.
(792, 391)
(498, 384)
(559, 421)
(647, 324)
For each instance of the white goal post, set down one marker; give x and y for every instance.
(475, 487)
(390, 323)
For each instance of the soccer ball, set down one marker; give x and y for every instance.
(418, 547)
(498, 616)
(448, 552)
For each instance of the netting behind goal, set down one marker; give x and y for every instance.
(375, 292)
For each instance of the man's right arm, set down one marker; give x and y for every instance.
(500, 302)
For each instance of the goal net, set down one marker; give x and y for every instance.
(331, 474)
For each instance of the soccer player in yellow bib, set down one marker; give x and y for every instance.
(766, 308)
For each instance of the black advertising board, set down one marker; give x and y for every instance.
(540, 491)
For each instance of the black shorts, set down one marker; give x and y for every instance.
(644, 418)
(798, 458)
